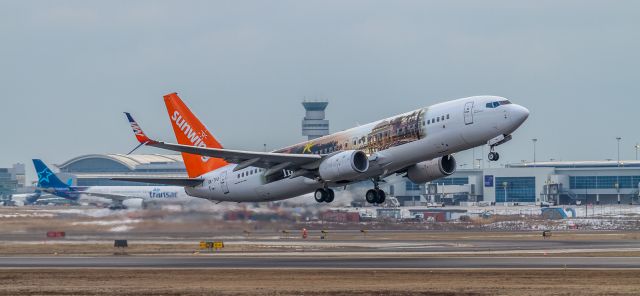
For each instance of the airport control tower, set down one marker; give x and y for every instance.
(314, 125)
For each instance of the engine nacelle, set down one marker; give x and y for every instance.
(430, 170)
(134, 203)
(344, 166)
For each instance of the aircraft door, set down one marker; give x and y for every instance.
(468, 113)
(223, 182)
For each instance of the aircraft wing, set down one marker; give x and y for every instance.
(107, 195)
(273, 162)
(186, 182)
(264, 160)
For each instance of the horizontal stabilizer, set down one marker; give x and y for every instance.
(185, 182)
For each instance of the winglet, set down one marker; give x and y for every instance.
(140, 135)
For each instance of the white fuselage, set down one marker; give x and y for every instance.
(392, 145)
(148, 194)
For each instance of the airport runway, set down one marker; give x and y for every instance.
(315, 262)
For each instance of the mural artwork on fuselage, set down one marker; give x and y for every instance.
(369, 138)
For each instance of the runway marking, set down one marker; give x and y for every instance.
(329, 268)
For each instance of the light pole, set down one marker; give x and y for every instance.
(473, 160)
(534, 140)
(617, 176)
(504, 185)
(586, 200)
(637, 146)
(618, 138)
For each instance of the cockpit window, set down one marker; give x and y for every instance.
(498, 103)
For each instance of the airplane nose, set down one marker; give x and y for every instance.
(519, 114)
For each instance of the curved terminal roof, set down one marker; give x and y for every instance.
(124, 162)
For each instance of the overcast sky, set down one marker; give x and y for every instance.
(69, 68)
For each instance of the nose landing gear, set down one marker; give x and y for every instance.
(499, 140)
(324, 195)
(494, 156)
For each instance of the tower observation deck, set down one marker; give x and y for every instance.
(314, 125)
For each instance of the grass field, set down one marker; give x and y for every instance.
(318, 282)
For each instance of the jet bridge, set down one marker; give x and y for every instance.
(450, 194)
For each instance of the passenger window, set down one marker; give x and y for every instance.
(447, 116)
(438, 119)
(442, 117)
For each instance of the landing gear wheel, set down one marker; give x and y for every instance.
(381, 196)
(371, 196)
(320, 195)
(330, 195)
(494, 156)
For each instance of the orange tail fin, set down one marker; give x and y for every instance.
(190, 131)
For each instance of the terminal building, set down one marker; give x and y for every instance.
(568, 182)
(12, 180)
(98, 169)
(594, 182)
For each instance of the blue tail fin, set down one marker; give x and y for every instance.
(46, 178)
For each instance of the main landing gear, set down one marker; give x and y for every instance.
(324, 195)
(375, 195)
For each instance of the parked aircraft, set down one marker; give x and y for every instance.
(418, 144)
(25, 199)
(119, 197)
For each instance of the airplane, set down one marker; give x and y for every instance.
(25, 199)
(119, 197)
(418, 145)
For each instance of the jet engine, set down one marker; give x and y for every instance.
(344, 166)
(430, 170)
(134, 203)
